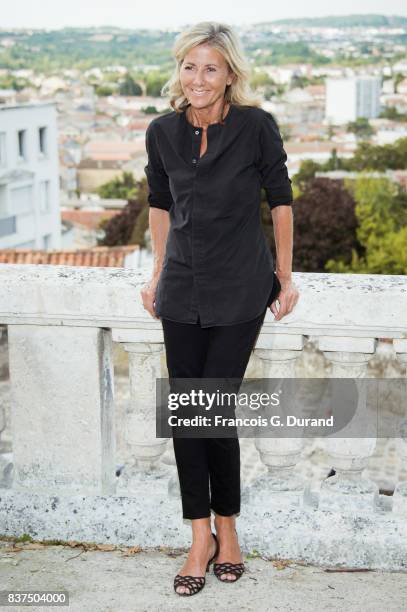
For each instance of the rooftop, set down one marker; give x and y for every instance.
(101, 256)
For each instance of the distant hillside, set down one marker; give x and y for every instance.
(49, 51)
(345, 21)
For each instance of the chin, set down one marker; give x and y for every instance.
(200, 103)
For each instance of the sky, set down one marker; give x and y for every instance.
(53, 14)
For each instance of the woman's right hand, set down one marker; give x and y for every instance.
(148, 293)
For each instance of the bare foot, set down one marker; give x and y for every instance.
(203, 548)
(229, 549)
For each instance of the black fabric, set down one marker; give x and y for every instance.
(217, 264)
(275, 290)
(209, 468)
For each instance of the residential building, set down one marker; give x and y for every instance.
(349, 98)
(29, 182)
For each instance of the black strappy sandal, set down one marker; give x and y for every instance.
(194, 584)
(236, 569)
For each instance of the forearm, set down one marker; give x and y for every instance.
(283, 235)
(159, 223)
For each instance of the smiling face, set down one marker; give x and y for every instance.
(204, 76)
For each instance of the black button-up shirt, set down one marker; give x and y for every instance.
(217, 261)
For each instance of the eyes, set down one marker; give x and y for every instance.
(210, 68)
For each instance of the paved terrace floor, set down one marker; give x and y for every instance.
(123, 579)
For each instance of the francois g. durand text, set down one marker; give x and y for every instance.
(289, 420)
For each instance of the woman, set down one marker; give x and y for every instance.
(213, 271)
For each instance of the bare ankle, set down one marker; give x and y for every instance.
(225, 521)
(201, 532)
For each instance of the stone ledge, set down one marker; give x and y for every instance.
(153, 518)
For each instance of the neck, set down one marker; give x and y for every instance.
(202, 117)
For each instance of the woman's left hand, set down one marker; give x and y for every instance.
(287, 298)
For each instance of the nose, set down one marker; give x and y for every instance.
(199, 78)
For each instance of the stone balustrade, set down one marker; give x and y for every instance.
(62, 322)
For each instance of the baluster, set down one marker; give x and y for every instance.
(144, 448)
(347, 490)
(5, 462)
(400, 492)
(280, 454)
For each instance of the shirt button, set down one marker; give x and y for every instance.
(194, 160)
(197, 132)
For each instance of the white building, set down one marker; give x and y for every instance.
(350, 98)
(29, 182)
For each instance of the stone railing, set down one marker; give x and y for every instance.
(62, 322)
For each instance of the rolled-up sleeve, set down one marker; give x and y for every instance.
(159, 194)
(272, 164)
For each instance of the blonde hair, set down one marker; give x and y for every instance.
(223, 38)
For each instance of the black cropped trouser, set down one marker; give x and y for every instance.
(209, 468)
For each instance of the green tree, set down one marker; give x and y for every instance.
(140, 227)
(375, 157)
(334, 162)
(128, 227)
(129, 87)
(122, 188)
(366, 157)
(399, 77)
(104, 90)
(150, 110)
(309, 168)
(154, 83)
(381, 210)
(10, 82)
(305, 174)
(259, 80)
(391, 112)
(361, 127)
(324, 224)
